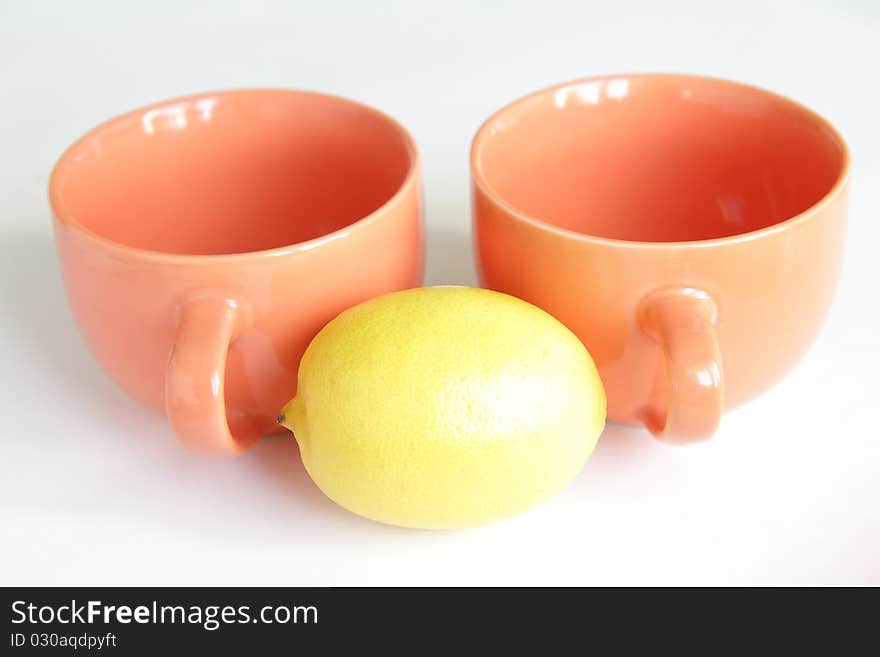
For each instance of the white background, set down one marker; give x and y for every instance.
(93, 489)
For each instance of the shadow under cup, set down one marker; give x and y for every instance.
(595, 199)
(205, 240)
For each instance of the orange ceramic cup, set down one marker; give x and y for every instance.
(689, 230)
(204, 241)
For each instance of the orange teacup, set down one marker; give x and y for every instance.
(689, 230)
(205, 240)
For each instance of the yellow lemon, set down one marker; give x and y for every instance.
(445, 407)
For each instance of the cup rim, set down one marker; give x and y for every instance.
(69, 156)
(483, 135)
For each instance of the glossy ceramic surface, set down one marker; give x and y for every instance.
(689, 230)
(204, 241)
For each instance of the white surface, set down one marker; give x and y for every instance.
(93, 490)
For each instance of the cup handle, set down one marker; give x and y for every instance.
(683, 320)
(195, 375)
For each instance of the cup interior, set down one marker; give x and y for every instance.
(657, 158)
(232, 172)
